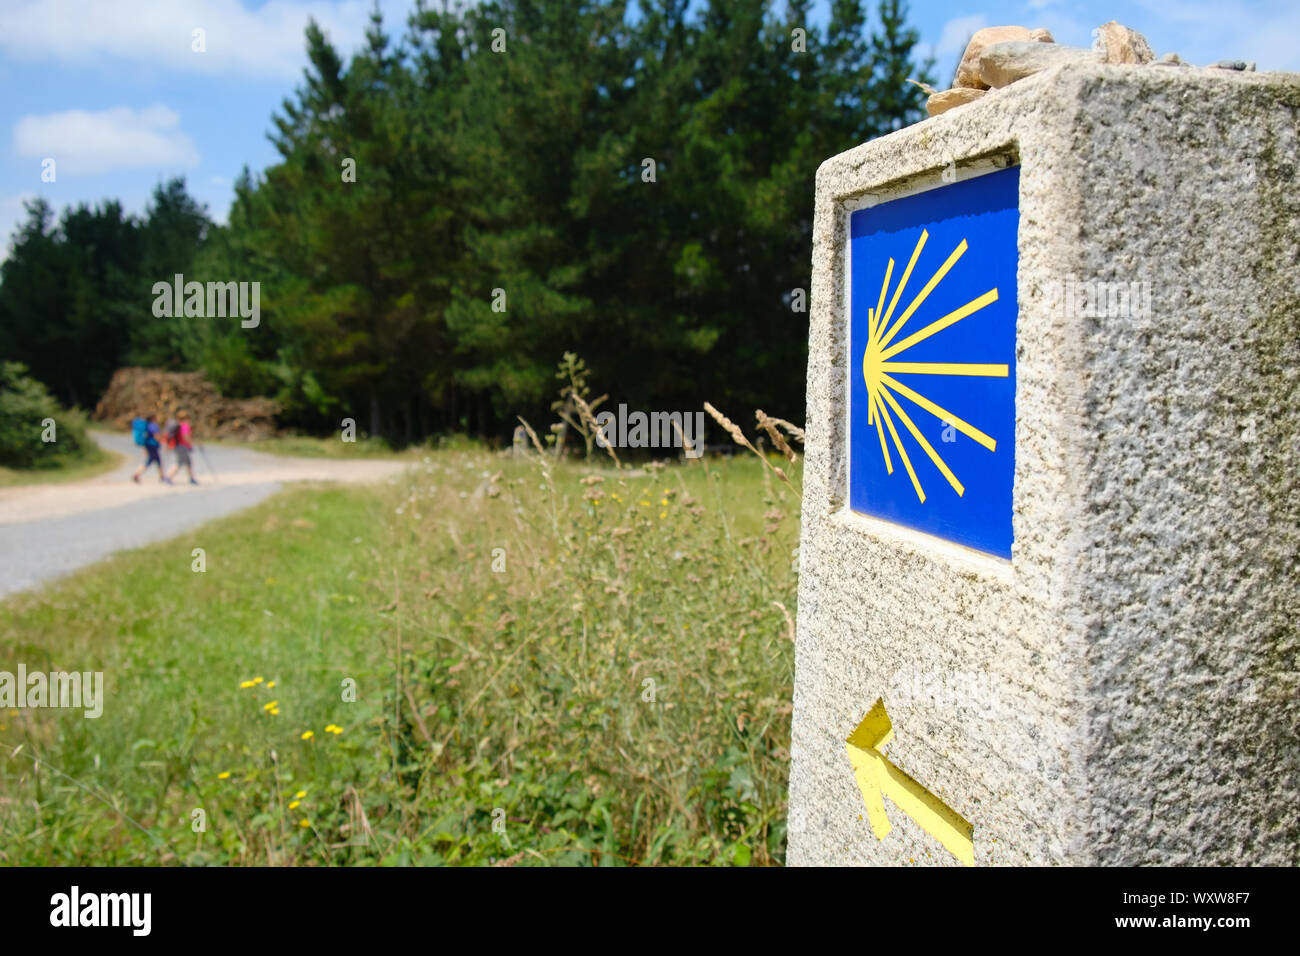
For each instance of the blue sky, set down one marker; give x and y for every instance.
(113, 91)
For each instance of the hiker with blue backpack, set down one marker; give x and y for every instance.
(145, 432)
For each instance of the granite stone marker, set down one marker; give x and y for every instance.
(1049, 601)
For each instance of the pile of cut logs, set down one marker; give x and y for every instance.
(145, 391)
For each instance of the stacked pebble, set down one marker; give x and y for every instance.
(998, 56)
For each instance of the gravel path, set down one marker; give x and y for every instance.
(47, 531)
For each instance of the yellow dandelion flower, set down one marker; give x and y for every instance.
(270, 684)
(271, 705)
(275, 712)
(663, 515)
(300, 794)
(223, 775)
(304, 823)
(333, 729)
(245, 684)
(307, 735)
(257, 680)
(294, 805)
(663, 501)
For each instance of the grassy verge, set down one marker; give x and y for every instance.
(552, 664)
(307, 446)
(96, 461)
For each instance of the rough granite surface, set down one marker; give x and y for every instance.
(1126, 689)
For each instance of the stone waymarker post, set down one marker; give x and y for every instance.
(1049, 605)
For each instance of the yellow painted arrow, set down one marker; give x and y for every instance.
(878, 778)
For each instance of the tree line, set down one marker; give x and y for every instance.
(456, 208)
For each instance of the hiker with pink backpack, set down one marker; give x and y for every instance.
(180, 438)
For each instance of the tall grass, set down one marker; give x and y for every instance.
(616, 691)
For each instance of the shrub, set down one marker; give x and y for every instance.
(26, 410)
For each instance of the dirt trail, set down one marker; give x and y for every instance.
(50, 530)
(233, 467)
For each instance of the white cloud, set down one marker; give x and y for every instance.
(956, 32)
(264, 42)
(1065, 27)
(952, 44)
(118, 138)
(1204, 32)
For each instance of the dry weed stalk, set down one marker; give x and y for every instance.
(588, 419)
(792, 429)
(687, 448)
(532, 435)
(359, 823)
(739, 437)
(731, 428)
(789, 621)
(769, 424)
(546, 473)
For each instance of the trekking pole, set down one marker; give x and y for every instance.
(204, 452)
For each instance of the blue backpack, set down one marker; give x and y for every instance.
(139, 430)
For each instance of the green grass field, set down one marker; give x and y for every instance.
(553, 664)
